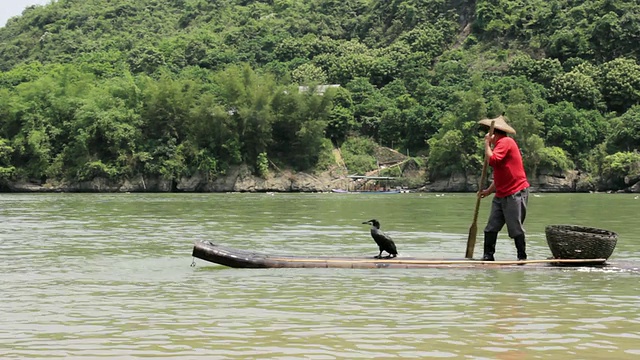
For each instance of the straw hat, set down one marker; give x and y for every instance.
(500, 124)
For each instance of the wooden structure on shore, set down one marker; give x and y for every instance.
(364, 184)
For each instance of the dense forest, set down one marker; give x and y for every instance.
(171, 88)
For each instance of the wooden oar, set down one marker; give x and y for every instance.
(473, 230)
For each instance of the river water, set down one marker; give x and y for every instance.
(87, 276)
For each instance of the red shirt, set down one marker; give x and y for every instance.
(508, 173)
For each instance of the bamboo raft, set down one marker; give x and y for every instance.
(235, 258)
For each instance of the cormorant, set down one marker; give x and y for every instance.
(383, 240)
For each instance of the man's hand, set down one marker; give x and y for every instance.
(484, 193)
(488, 140)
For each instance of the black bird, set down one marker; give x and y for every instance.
(383, 240)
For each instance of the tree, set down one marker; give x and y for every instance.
(165, 113)
(108, 133)
(619, 165)
(307, 74)
(554, 159)
(521, 117)
(445, 156)
(6, 169)
(211, 130)
(624, 135)
(358, 154)
(620, 81)
(575, 130)
(578, 88)
(541, 71)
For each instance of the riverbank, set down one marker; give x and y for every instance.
(241, 179)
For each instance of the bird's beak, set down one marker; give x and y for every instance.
(365, 222)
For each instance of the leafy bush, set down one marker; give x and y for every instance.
(619, 165)
(445, 155)
(624, 134)
(6, 169)
(262, 165)
(6, 172)
(554, 159)
(325, 157)
(358, 154)
(96, 169)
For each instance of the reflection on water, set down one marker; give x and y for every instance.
(87, 275)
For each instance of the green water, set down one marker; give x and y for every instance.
(108, 275)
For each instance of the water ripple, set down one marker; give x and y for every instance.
(86, 276)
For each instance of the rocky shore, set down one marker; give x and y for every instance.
(240, 179)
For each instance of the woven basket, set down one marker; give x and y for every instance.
(580, 242)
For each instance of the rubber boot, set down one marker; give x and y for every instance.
(521, 247)
(490, 239)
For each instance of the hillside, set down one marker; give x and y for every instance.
(174, 88)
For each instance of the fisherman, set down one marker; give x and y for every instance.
(510, 185)
(383, 240)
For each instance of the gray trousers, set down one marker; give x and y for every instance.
(510, 210)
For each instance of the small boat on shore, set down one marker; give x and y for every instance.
(236, 258)
(342, 191)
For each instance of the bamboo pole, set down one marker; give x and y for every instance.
(437, 261)
(473, 230)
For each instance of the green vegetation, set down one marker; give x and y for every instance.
(181, 87)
